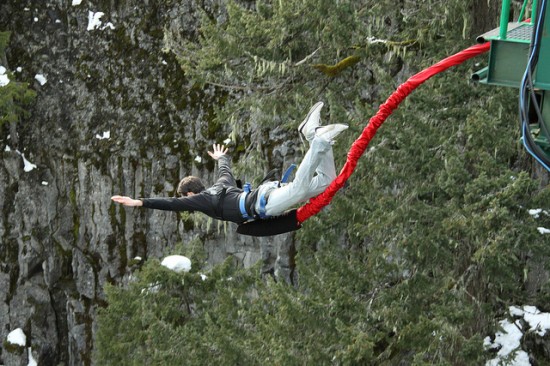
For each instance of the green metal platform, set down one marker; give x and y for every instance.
(508, 59)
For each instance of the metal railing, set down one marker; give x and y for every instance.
(505, 15)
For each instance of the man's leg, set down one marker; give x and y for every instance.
(314, 174)
(325, 174)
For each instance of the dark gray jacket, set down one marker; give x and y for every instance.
(221, 201)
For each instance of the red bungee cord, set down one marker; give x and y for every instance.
(360, 145)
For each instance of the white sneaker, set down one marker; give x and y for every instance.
(330, 132)
(311, 122)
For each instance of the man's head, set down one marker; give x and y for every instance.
(190, 184)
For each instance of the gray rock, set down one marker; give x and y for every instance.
(61, 238)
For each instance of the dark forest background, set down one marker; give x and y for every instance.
(414, 262)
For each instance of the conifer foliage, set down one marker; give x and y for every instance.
(14, 96)
(415, 261)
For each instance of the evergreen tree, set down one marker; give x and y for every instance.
(14, 96)
(415, 260)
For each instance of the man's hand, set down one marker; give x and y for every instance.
(219, 151)
(127, 201)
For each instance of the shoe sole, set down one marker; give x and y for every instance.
(338, 127)
(303, 124)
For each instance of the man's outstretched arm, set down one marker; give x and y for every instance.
(127, 201)
(197, 202)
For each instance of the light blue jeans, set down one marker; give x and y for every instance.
(313, 176)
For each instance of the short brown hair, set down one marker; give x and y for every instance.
(190, 184)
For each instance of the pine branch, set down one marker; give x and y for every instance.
(334, 70)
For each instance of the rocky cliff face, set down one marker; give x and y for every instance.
(114, 115)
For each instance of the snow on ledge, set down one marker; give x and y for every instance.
(94, 21)
(17, 337)
(28, 166)
(508, 340)
(41, 79)
(177, 263)
(4, 79)
(106, 135)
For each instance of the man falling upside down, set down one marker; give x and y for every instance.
(225, 201)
